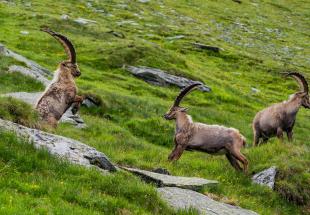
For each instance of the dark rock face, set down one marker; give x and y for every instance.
(184, 199)
(266, 177)
(161, 171)
(206, 47)
(161, 78)
(66, 148)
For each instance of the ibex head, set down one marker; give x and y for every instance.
(68, 66)
(303, 94)
(171, 114)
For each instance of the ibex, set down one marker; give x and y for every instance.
(212, 139)
(62, 91)
(280, 117)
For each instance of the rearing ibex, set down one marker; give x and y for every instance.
(212, 139)
(61, 93)
(280, 117)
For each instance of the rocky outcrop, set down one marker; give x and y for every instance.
(66, 148)
(184, 199)
(161, 78)
(162, 180)
(35, 68)
(266, 177)
(31, 73)
(32, 98)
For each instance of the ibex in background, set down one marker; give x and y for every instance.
(280, 117)
(62, 91)
(212, 139)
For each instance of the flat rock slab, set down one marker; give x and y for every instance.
(32, 98)
(179, 198)
(63, 147)
(162, 180)
(161, 78)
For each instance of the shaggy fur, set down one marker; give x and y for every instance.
(281, 117)
(61, 93)
(212, 139)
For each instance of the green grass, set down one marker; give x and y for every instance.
(21, 82)
(51, 186)
(258, 44)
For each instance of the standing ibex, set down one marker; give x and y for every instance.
(61, 93)
(212, 139)
(280, 117)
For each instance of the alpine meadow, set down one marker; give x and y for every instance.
(241, 50)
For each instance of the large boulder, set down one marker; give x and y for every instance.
(162, 180)
(266, 177)
(161, 78)
(63, 147)
(185, 199)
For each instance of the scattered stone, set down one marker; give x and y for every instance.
(143, 1)
(64, 17)
(31, 73)
(176, 37)
(255, 90)
(66, 148)
(266, 177)
(30, 64)
(185, 199)
(127, 22)
(206, 47)
(89, 102)
(83, 21)
(24, 32)
(161, 180)
(161, 78)
(32, 98)
(161, 171)
(117, 34)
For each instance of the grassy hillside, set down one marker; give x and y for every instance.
(259, 39)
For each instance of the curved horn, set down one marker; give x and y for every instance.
(183, 93)
(303, 84)
(65, 42)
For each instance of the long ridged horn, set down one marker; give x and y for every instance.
(303, 84)
(183, 93)
(65, 42)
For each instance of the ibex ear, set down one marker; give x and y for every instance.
(183, 109)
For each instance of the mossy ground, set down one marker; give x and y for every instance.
(260, 39)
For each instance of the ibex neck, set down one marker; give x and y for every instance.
(61, 76)
(293, 105)
(182, 121)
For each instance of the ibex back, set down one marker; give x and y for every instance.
(280, 117)
(212, 139)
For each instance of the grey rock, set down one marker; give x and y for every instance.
(32, 98)
(255, 90)
(266, 177)
(172, 181)
(24, 32)
(176, 37)
(64, 17)
(63, 147)
(161, 78)
(29, 63)
(143, 1)
(185, 199)
(83, 21)
(206, 47)
(31, 73)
